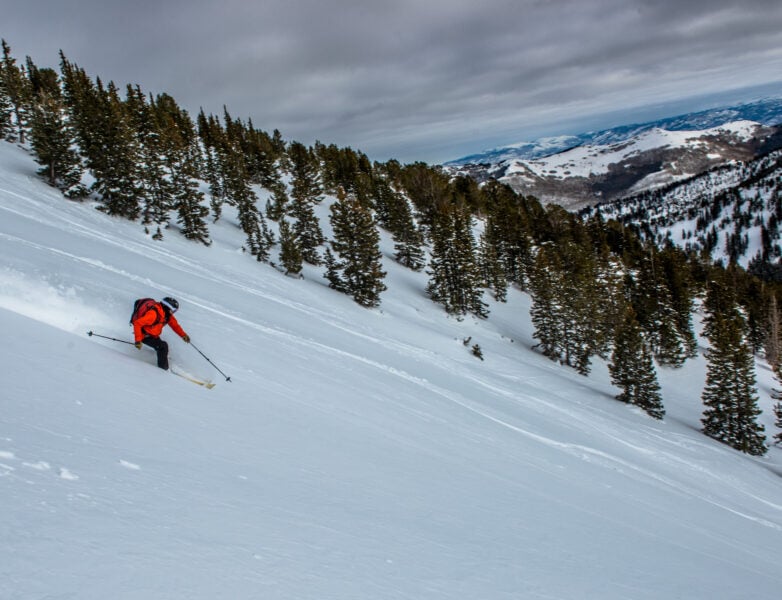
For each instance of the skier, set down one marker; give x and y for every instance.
(149, 318)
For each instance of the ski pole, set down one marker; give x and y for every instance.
(90, 333)
(210, 362)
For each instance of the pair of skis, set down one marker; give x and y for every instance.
(204, 383)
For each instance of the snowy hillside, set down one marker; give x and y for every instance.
(731, 213)
(590, 160)
(355, 453)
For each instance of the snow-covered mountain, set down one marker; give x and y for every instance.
(355, 453)
(577, 171)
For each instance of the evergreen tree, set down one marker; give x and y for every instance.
(113, 156)
(156, 187)
(776, 395)
(278, 205)
(632, 368)
(107, 140)
(52, 142)
(492, 271)
(574, 305)
(356, 242)
(721, 300)
(250, 219)
(730, 396)
(6, 108)
(667, 331)
(213, 139)
(611, 302)
(545, 310)
(182, 157)
(774, 334)
(334, 272)
(395, 215)
(305, 194)
(290, 253)
(85, 111)
(678, 273)
(429, 189)
(17, 89)
(454, 277)
(581, 299)
(117, 174)
(506, 235)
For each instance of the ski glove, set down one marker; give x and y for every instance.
(138, 345)
(186, 338)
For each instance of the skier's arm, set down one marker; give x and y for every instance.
(174, 324)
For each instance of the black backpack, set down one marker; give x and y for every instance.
(140, 307)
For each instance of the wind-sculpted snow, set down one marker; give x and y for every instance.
(354, 454)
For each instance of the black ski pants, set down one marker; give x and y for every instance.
(161, 347)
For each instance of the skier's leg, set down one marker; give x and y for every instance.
(161, 347)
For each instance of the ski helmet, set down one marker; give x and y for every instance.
(171, 303)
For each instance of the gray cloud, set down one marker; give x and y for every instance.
(408, 79)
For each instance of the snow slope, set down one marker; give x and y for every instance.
(355, 454)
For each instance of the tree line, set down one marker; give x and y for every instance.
(597, 288)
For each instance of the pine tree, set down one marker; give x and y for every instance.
(182, 157)
(632, 368)
(671, 348)
(156, 187)
(356, 242)
(334, 272)
(581, 297)
(6, 108)
(576, 300)
(545, 310)
(774, 333)
(52, 142)
(114, 156)
(395, 215)
(290, 253)
(667, 331)
(106, 138)
(18, 90)
(611, 302)
(213, 139)
(506, 235)
(250, 219)
(730, 393)
(305, 194)
(454, 277)
(278, 205)
(776, 394)
(678, 272)
(492, 270)
(85, 111)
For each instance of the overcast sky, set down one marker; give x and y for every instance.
(428, 80)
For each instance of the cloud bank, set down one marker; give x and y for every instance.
(412, 80)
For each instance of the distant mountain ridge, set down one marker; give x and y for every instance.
(767, 112)
(580, 171)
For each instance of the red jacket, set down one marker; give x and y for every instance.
(151, 323)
